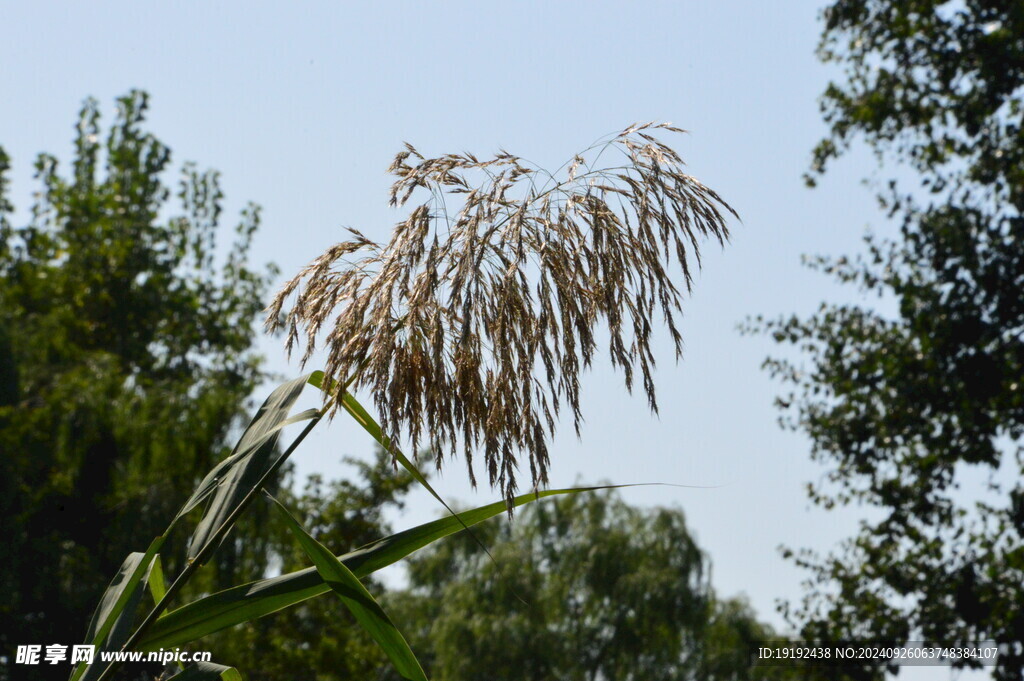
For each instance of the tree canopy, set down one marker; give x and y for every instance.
(126, 361)
(581, 588)
(904, 407)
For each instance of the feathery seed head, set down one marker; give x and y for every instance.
(472, 324)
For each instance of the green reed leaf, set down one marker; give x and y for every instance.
(249, 601)
(207, 671)
(233, 480)
(358, 600)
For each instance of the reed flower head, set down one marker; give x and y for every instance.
(472, 324)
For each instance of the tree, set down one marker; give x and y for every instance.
(903, 407)
(126, 359)
(579, 588)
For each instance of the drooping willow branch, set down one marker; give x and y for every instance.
(472, 324)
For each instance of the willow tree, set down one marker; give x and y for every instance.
(583, 587)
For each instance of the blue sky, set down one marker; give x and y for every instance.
(302, 111)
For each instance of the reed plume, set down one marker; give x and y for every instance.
(472, 324)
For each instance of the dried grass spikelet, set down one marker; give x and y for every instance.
(472, 324)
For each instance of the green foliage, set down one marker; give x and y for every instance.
(904, 407)
(936, 83)
(581, 587)
(126, 363)
(247, 602)
(592, 571)
(314, 639)
(205, 671)
(363, 606)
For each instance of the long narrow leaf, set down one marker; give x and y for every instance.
(358, 600)
(248, 601)
(359, 413)
(254, 455)
(209, 483)
(157, 585)
(352, 406)
(112, 620)
(207, 671)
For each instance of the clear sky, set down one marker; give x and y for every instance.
(302, 111)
